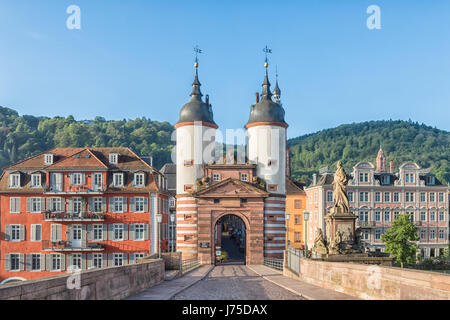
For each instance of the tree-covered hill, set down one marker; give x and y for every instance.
(401, 141)
(25, 136)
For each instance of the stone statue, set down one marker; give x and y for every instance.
(319, 243)
(340, 190)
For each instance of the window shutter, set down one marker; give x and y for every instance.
(22, 233)
(7, 262)
(91, 204)
(90, 235)
(70, 205)
(125, 232)
(145, 231)
(49, 262)
(132, 232)
(125, 204)
(83, 261)
(69, 262)
(33, 232)
(83, 179)
(70, 178)
(105, 232)
(43, 265)
(49, 203)
(111, 260)
(89, 260)
(28, 204)
(7, 233)
(111, 232)
(146, 204)
(53, 232)
(104, 205)
(21, 261)
(134, 180)
(132, 206)
(125, 259)
(125, 178)
(83, 236)
(28, 262)
(132, 258)
(104, 260)
(42, 204)
(111, 204)
(63, 262)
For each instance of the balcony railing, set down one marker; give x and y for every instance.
(73, 189)
(365, 224)
(74, 216)
(68, 246)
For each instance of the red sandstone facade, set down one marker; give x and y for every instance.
(82, 207)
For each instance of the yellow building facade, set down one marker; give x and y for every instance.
(295, 206)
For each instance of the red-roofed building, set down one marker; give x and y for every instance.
(82, 207)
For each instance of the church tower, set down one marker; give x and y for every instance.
(195, 146)
(266, 147)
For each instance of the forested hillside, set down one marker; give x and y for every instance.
(401, 141)
(24, 136)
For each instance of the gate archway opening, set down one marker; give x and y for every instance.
(230, 240)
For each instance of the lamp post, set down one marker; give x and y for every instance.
(287, 229)
(306, 218)
(172, 219)
(159, 220)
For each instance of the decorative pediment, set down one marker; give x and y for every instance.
(231, 188)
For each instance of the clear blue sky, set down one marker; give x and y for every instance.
(135, 58)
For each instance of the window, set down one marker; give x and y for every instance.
(216, 177)
(409, 196)
(14, 180)
(56, 262)
(139, 230)
(387, 197)
(432, 234)
(14, 260)
(55, 205)
(118, 179)
(378, 234)
(423, 216)
(97, 232)
(364, 196)
(139, 204)
(35, 205)
(118, 204)
(139, 256)
(244, 177)
(15, 232)
(350, 196)
(76, 179)
(363, 177)
(97, 181)
(441, 215)
(377, 197)
(432, 197)
(36, 262)
(118, 232)
(188, 187)
(243, 200)
(377, 216)
(172, 202)
(409, 178)
(35, 180)
(330, 196)
(433, 216)
(363, 216)
(113, 158)
(297, 237)
(441, 234)
(441, 197)
(216, 201)
(139, 179)
(97, 260)
(387, 216)
(297, 219)
(365, 235)
(422, 197)
(297, 204)
(430, 180)
(188, 163)
(36, 232)
(118, 259)
(77, 205)
(48, 159)
(423, 235)
(272, 187)
(98, 204)
(76, 261)
(396, 214)
(385, 179)
(396, 197)
(14, 205)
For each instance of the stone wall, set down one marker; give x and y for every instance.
(172, 260)
(112, 283)
(374, 282)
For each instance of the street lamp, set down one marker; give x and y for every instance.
(172, 219)
(159, 220)
(306, 218)
(287, 228)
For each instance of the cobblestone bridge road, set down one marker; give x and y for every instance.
(235, 282)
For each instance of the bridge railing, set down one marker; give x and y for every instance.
(188, 265)
(293, 257)
(274, 263)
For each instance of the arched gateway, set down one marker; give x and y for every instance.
(230, 236)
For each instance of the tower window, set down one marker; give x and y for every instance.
(244, 177)
(188, 187)
(216, 177)
(188, 163)
(243, 200)
(272, 187)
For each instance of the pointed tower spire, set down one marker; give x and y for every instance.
(266, 94)
(277, 91)
(196, 93)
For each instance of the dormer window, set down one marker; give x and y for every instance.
(139, 179)
(14, 180)
(113, 158)
(409, 178)
(118, 179)
(363, 177)
(48, 159)
(385, 180)
(35, 180)
(430, 180)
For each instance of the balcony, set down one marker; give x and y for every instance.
(62, 246)
(73, 189)
(365, 224)
(83, 216)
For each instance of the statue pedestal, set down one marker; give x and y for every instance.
(340, 230)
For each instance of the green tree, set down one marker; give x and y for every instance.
(398, 240)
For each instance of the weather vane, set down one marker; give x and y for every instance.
(267, 50)
(197, 51)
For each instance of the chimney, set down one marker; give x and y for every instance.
(257, 97)
(391, 166)
(288, 162)
(314, 179)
